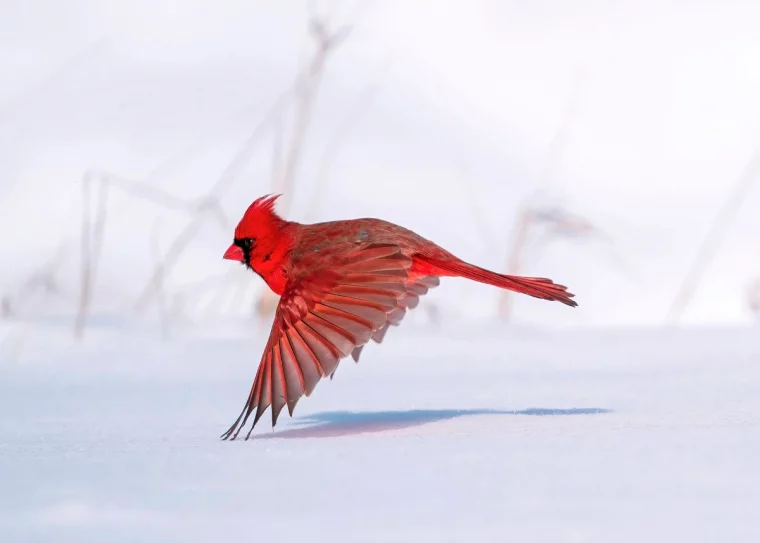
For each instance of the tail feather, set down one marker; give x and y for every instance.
(538, 287)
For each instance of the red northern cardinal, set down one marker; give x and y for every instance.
(341, 284)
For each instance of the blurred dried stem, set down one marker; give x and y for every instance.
(93, 230)
(715, 238)
(334, 144)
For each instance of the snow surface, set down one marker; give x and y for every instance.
(465, 433)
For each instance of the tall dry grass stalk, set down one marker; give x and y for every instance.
(714, 239)
(93, 225)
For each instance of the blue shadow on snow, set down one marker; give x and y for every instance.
(342, 423)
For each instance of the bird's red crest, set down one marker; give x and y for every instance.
(259, 215)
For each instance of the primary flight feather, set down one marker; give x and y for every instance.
(340, 283)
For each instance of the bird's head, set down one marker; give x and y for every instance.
(257, 235)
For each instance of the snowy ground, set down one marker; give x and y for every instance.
(460, 434)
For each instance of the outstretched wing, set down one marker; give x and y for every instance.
(414, 288)
(340, 298)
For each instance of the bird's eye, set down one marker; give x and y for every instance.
(245, 243)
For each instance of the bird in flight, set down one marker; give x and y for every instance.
(341, 283)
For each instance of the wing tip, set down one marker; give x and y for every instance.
(357, 352)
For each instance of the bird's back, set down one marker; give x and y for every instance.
(314, 237)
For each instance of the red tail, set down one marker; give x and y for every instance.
(538, 287)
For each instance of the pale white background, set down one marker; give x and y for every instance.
(450, 108)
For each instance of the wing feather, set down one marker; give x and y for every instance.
(340, 338)
(265, 389)
(413, 289)
(326, 353)
(356, 325)
(279, 385)
(307, 361)
(296, 386)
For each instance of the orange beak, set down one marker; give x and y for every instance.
(234, 253)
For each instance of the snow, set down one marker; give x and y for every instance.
(468, 432)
